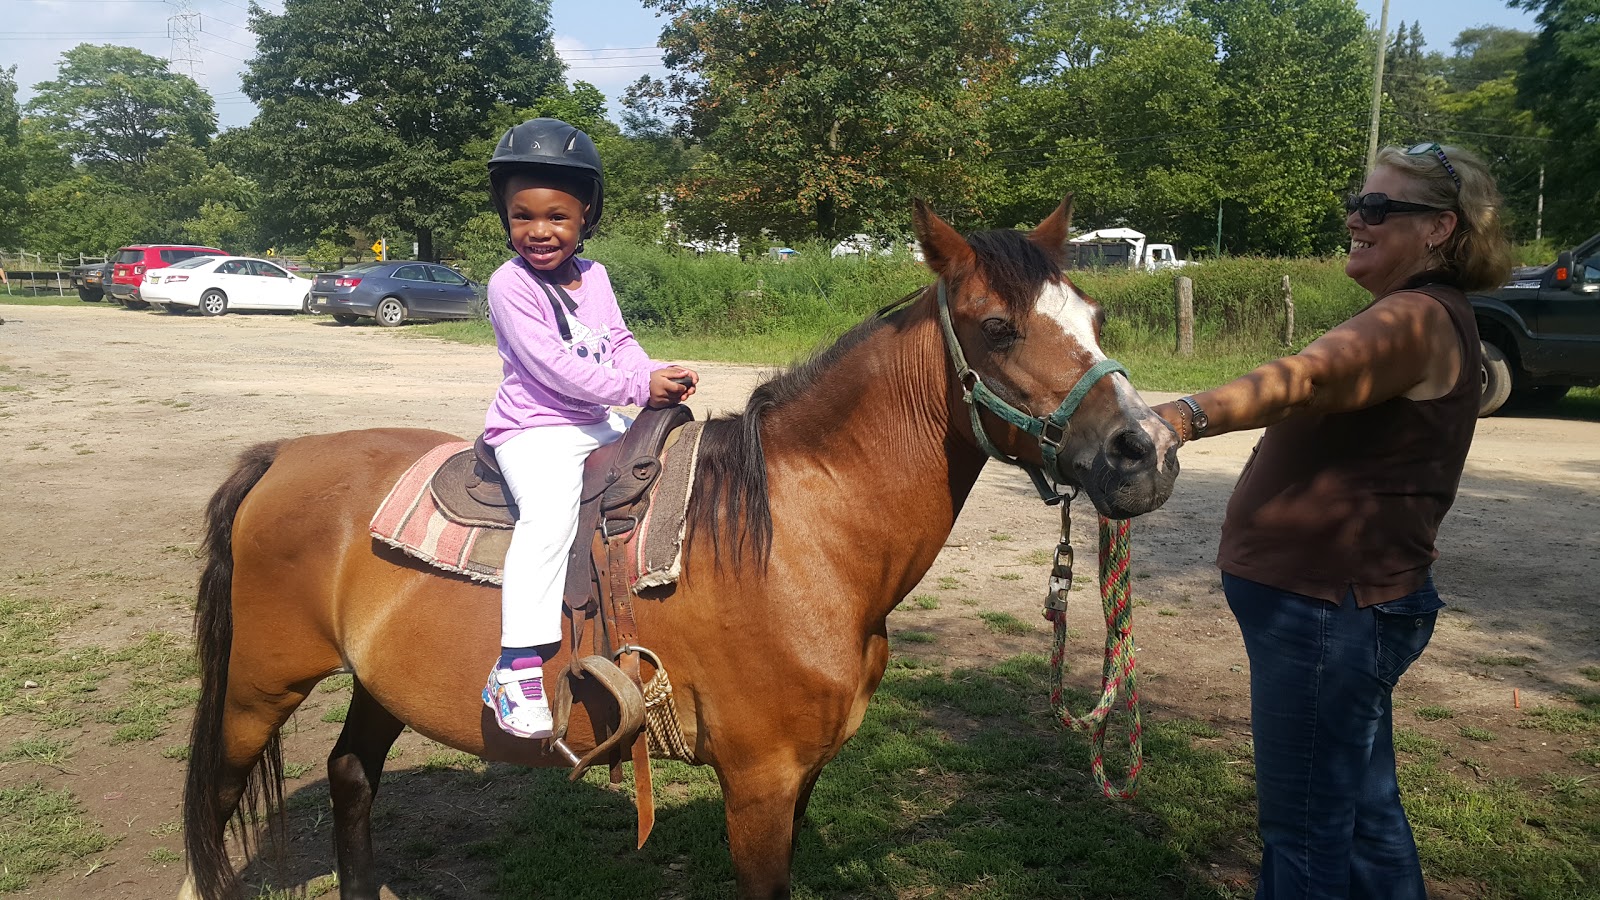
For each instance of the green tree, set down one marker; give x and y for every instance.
(823, 118)
(89, 214)
(1116, 103)
(1478, 110)
(1297, 83)
(13, 184)
(111, 107)
(1411, 89)
(367, 111)
(1560, 83)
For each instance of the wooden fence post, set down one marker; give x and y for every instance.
(1288, 312)
(1184, 289)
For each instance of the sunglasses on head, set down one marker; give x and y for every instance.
(1375, 207)
(1438, 152)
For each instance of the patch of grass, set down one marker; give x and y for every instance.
(21, 296)
(163, 855)
(1435, 713)
(337, 712)
(949, 583)
(295, 770)
(915, 637)
(970, 601)
(1005, 812)
(1505, 659)
(1010, 576)
(1588, 756)
(1561, 721)
(925, 601)
(1511, 841)
(1166, 612)
(43, 750)
(1475, 733)
(335, 683)
(1590, 672)
(180, 752)
(1408, 741)
(452, 760)
(43, 831)
(1005, 623)
(999, 537)
(1037, 558)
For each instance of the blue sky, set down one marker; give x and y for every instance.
(604, 42)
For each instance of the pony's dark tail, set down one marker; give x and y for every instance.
(205, 809)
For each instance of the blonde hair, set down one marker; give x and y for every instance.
(1477, 255)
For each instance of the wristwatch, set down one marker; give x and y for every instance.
(1198, 421)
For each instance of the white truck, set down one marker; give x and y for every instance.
(1120, 248)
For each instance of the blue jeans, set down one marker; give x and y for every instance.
(1321, 678)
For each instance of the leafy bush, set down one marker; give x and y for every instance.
(1237, 300)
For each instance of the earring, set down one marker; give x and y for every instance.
(1430, 247)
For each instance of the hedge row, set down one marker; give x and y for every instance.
(1237, 300)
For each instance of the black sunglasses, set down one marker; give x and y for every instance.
(1375, 207)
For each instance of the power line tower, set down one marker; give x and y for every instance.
(183, 26)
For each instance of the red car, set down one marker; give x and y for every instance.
(133, 261)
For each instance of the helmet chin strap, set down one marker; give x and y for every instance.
(1051, 431)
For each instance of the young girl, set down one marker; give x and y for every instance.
(567, 357)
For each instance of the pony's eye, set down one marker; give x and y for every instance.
(999, 334)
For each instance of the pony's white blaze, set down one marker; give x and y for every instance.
(1069, 309)
(1073, 313)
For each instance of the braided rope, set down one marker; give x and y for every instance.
(1117, 674)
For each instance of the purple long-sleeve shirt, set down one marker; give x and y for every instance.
(549, 381)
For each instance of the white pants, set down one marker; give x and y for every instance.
(543, 468)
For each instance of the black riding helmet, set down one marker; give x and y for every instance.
(555, 146)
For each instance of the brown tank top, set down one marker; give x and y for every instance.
(1330, 504)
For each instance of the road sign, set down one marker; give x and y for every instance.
(381, 248)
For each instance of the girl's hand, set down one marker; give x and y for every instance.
(672, 385)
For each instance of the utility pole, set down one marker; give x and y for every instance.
(1538, 222)
(1217, 251)
(183, 26)
(1377, 88)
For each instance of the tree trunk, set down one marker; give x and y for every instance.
(827, 219)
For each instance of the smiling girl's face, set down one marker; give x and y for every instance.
(546, 222)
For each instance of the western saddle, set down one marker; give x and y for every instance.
(616, 497)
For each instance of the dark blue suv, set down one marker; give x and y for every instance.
(392, 292)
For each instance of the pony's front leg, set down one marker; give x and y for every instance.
(761, 803)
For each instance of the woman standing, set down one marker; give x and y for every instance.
(1327, 548)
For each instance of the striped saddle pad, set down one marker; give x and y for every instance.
(410, 519)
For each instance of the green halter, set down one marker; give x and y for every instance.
(1051, 430)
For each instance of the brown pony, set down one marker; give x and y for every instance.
(819, 508)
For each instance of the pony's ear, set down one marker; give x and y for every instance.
(1052, 232)
(947, 252)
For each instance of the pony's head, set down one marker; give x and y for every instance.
(1030, 337)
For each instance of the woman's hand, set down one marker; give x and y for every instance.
(1176, 415)
(672, 385)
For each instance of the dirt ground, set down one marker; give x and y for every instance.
(116, 425)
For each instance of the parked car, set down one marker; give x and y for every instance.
(86, 279)
(215, 285)
(392, 292)
(132, 262)
(1541, 331)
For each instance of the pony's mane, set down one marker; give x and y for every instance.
(730, 500)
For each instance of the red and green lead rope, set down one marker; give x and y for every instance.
(1117, 675)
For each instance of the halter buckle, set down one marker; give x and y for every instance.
(1053, 440)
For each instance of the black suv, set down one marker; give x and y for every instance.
(89, 278)
(1541, 331)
